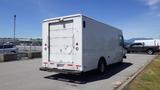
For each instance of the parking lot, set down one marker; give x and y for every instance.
(25, 75)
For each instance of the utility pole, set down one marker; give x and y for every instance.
(14, 37)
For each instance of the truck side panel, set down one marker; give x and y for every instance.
(100, 40)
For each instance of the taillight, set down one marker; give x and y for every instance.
(45, 48)
(77, 43)
(77, 48)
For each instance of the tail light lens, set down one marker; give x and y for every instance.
(77, 48)
(77, 43)
(45, 48)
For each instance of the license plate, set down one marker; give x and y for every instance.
(60, 65)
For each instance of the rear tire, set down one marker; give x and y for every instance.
(150, 51)
(101, 67)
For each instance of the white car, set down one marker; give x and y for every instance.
(8, 49)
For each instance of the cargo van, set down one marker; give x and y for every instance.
(77, 43)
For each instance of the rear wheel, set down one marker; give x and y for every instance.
(101, 67)
(150, 51)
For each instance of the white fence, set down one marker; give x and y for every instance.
(29, 48)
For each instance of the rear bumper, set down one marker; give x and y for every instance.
(59, 70)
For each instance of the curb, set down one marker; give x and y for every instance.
(131, 78)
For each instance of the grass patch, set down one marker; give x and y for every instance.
(148, 79)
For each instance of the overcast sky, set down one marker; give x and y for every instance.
(137, 18)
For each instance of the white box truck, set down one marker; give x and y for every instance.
(77, 43)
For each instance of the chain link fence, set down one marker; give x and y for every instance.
(24, 46)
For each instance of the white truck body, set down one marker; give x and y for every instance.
(77, 43)
(153, 42)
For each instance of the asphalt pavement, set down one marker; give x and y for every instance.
(25, 75)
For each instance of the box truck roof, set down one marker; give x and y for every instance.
(59, 18)
(76, 15)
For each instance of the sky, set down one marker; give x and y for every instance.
(136, 18)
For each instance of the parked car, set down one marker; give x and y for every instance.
(140, 47)
(8, 49)
(77, 43)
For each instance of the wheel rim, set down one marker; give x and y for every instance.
(150, 52)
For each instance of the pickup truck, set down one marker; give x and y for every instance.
(8, 49)
(140, 47)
